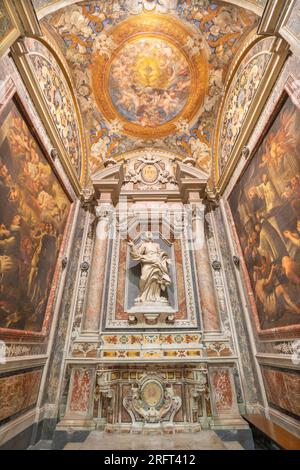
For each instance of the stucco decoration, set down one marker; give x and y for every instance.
(59, 98)
(240, 95)
(92, 34)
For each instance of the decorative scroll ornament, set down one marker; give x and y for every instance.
(150, 172)
(152, 402)
(103, 211)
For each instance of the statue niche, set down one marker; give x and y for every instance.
(154, 271)
(151, 288)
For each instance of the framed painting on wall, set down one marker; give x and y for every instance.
(265, 208)
(8, 28)
(34, 213)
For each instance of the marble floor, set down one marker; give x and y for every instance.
(204, 440)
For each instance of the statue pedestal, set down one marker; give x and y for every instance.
(151, 313)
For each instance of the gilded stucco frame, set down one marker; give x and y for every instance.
(14, 32)
(21, 57)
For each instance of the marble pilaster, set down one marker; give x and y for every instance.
(208, 302)
(97, 270)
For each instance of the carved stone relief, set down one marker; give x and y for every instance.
(150, 173)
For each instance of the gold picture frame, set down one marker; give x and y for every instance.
(9, 30)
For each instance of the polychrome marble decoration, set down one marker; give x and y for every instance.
(149, 81)
(177, 113)
(18, 393)
(32, 223)
(221, 383)
(283, 390)
(59, 99)
(240, 96)
(265, 206)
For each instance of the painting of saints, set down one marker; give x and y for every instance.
(33, 215)
(266, 209)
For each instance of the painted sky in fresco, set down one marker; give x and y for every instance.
(149, 82)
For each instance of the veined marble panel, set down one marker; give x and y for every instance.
(18, 392)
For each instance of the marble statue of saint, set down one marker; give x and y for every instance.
(155, 276)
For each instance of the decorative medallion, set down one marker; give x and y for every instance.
(152, 393)
(145, 76)
(149, 173)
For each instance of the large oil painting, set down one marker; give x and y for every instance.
(266, 209)
(149, 82)
(33, 215)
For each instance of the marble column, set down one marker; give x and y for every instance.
(210, 316)
(97, 271)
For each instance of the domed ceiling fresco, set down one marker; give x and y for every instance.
(148, 73)
(149, 82)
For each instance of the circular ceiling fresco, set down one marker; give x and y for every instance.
(149, 81)
(148, 73)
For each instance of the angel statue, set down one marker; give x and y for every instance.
(155, 276)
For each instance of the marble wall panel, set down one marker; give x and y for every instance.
(81, 387)
(283, 390)
(222, 390)
(18, 392)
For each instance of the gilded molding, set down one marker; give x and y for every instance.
(15, 31)
(279, 52)
(22, 61)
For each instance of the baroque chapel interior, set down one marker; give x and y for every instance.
(149, 224)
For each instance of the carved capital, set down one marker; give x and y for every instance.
(104, 211)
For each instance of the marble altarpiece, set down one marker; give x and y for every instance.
(141, 364)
